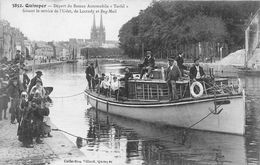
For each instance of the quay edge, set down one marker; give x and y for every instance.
(54, 149)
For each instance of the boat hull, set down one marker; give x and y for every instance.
(195, 114)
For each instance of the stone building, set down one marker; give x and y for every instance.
(11, 39)
(43, 50)
(62, 50)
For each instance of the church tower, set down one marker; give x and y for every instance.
(102, 32)
(98, 34)
(94, 32)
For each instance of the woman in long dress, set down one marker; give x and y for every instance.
(25, 129)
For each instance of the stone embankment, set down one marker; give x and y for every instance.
(38, 65)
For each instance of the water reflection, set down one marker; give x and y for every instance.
(252, 87)
(127, 141)
(154, 144)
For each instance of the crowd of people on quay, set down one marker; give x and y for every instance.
(27, 101)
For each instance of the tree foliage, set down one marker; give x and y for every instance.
(166, 25)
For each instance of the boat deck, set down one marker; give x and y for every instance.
(149, 102)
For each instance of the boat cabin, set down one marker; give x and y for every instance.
(156, 88)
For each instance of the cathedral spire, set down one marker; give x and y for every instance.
(94, 22)
(98, 34)
(101, 22)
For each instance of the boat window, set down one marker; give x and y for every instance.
(148, 91)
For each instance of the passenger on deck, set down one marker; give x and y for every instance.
(104, 86)
(128, 75)
(103, 76)
(173, 73)
(180, 62)
(114, 86)
(98, 80)
(196, 71)
(148, 65)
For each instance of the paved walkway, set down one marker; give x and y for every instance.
(52, 149)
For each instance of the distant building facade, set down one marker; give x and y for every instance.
(98, 34)
(44, 50)
(62, 50)
(11, 39)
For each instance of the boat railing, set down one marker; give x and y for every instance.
(158, 90)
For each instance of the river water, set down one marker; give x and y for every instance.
(118, 140)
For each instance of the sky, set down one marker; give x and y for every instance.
(62, 26)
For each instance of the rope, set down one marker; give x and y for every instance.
(69, 95)
(88, 138)
(199, 120)
(69, 133)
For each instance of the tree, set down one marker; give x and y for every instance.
(165, 25)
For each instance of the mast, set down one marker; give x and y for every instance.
(246, 46)
(252, 39)
(35, 48)
(0, 10)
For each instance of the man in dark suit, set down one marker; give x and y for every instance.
(128, 75)
(148, 64)
(196, 71)
(180, 62)
(90, 75)
(173, 73)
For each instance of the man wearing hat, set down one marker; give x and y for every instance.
(180, 62)
(17, 57)
(173, 73)
(90, 75)
(196, 71)
(128, 75)
(4, 99)
(148, 64)
(33, 81)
